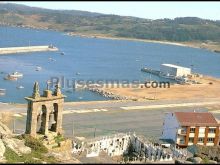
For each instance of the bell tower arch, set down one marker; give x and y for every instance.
(44, 112)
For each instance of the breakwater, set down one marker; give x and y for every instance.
(26, 49)
(107, 94)
(152, 71)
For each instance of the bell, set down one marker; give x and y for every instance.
(51, 119)
(39, 119)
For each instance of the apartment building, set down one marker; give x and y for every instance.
(188, 128)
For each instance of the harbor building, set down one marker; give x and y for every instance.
(174, 70)
(189, 128)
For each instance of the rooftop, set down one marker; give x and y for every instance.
(196, 119)
(174, 66)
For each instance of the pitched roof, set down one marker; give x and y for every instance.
(196, 119)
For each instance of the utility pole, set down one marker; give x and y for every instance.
(155, 94)
(94, 132)
(13, 125)
(72, 129)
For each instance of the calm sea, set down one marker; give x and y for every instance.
(90, 59)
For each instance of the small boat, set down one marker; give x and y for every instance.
(51, 59)
(62, 53)
(80, 98)
(16, 75)
(2, 92)
(8, 77)
(77, 73)
(38, 68)
(20, 87)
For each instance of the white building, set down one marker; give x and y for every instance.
(174, 70)
(114, 146)
(188, 128)
(120, 144)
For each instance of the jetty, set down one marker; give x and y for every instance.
(27, 49)
(152, 71)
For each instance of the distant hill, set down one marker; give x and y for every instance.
(178, 29)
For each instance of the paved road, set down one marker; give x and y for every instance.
(116, 105)
(107, 118)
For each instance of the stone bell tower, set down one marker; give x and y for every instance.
(44, 112)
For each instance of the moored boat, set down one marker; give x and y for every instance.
(16, 75)
(2, 92)
(8, 77)
(20, 87)
(38, 68)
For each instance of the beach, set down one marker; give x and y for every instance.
(211, 46)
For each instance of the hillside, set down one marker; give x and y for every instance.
(187, 29)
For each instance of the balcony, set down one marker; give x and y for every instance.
(181, 142)
(182, 131)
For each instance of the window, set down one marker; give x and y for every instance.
(210, 140)
(183, 130)
(191, 140)
(192, 130)
(212, 130)
(200, 140)
(202, 130)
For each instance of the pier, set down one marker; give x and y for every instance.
(27, 49)
(152, 71)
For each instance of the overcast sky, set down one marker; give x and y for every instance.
(151, 10)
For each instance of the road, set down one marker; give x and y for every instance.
(104, 118)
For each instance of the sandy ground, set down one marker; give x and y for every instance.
(175, 92)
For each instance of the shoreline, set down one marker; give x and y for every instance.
(128, 39)
(207, 45)
(210, 46)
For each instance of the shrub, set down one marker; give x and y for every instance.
(59, 138)
(35, 144)
(11, 156)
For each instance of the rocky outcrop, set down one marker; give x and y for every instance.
(206, 152)
(2, 149)
(17, 146)
(7, 140)
(4, 131)
(63, 156)
(213, 162)
(183, 162)
(196, 160)
(110, 95)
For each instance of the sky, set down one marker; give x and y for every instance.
(150, 10)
